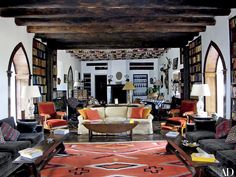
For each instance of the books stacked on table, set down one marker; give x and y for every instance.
(203, 156)
(172, 134)
(31, 153)
(61, 131)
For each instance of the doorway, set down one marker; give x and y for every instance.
(101, 88)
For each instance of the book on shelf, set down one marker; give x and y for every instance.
(31, 153)
(172, 134)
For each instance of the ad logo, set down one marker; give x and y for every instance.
(228, 172)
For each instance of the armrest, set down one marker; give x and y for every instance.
(60, 114)
(45, 116)
(39, 128)
(150, 117)
(188, 113)
(174, 112)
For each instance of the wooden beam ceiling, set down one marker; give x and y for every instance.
(86, 24)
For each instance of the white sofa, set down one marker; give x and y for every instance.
(117, 113)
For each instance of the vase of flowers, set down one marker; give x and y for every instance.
(153, 92)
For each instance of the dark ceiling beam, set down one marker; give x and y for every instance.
(115, 3)
(114, 29)
(161, 20)
(112, 12)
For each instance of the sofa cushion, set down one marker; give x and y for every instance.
(146, 112)
(231, 138)
(34, 138)
(222, 129)
(116, 111)
(214, 145)
(195, 136)
(26, 127)
(14, 146)
(116, 119)
(101, 111)
(92, 114)
(9, 120)
(227, 158)
(137, 113)
(2, 140)
(4, 157)
(82, 113)
(9, 133)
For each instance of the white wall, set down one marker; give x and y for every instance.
(171, 54)
(115, 66)
(64, 61)
(219, 34)
(10, 36)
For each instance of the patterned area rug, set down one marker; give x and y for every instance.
(123, 159)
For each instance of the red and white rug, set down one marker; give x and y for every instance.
(123, 159)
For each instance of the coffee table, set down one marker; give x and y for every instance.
(107, 128)
(184, 154)
(49, 148)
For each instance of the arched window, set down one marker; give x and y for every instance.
(215, 77)
(70, 83)
(18, 74)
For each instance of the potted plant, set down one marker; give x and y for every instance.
(153, 92)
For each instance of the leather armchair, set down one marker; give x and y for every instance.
(179, 116)
(51, 119)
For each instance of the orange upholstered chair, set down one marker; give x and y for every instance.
(51, 119)
(178, 119)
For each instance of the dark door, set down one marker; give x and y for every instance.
(101, 88)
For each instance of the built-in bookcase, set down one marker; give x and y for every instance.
(40, 67)
(87, 83)
(195, 62)
(232, 27)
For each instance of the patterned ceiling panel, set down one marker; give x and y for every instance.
(117, 54)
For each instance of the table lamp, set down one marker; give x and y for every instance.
(128, 87)
(200, 90)
(30, 92)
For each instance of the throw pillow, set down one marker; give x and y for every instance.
(9, 133)
(146, 112)
(82, 113)
(231, 138)
(137, 112)
(92, 114)
(2, 140)
(222, 129)
(26, 127)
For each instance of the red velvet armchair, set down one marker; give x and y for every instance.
(179, 117)
(51, 119)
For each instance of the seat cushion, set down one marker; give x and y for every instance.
(199, 135)
(213, 145)
(14, 146)
(4, 157)
(222, 129)
(34, 138)
(176, 120)
(56, 123)
(227, 158)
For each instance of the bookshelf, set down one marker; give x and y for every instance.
(195, 62)
(87, 83)
(39, 68)
(232, 27)
(140, 82)
(184, 81)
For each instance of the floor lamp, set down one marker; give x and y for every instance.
(128, 87)
(200, 90)
(30, 92)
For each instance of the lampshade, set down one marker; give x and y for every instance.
(128, 86)
(200, 90)
(30, 92)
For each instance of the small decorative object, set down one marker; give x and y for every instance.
(126, 77)
(175, 63)
(58, 81)
(116, 101)
(65, 78)
(110, 79)
(118, 75)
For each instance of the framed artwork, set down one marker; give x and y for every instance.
(175, 63)
(65, 78)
